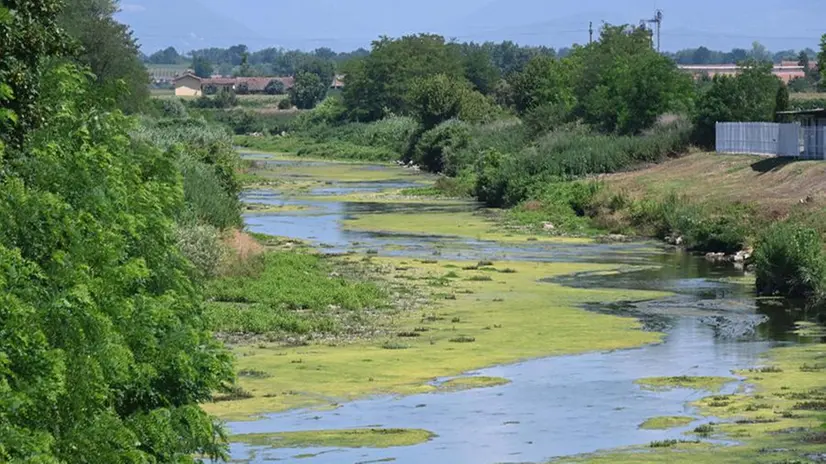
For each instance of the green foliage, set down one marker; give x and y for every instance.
(285, 104)
(623, 85)
(752, 95)
(438, 98)
(201, 245)
(307, 91)
(507, 179)
(207, 199)
(821, 60)
(242, 88)
(166, 56)
(480, 69)
(275, 87)
(202, 67)
(109, 50)
(30, 36)
(702, 227)
(790, 261)
(544, 81)
(205, 157)
(222, 99)
(286, 292)
(376, 86)
(324, 69)
(395, 133)
(104, 354)
(174, 108)
(436, 149)
(346, 150)
(563, 204)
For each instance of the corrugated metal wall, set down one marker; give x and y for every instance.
(763, 138)
(814, 142)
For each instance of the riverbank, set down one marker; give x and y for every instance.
(443, 304)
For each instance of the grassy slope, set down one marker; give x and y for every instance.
(777, 185)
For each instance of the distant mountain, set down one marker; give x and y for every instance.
(183, 24)
(346, 25)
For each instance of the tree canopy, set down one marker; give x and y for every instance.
(752, 95)
(109, 50)
(376, 85)
(104, 355)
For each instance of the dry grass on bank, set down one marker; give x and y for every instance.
(775, 184)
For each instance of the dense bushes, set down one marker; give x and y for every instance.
(507, 179)
(436, 149)
(701, 227)
(206, 143)
(749, 96)
(790, 261)
(104, 355)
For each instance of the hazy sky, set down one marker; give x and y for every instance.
(347, 24)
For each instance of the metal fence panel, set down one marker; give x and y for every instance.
(814, 142)
(763, 138)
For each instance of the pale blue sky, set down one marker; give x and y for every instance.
(347, 24)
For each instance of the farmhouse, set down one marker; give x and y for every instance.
(187, 85)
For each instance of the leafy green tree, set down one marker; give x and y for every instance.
(26, 43)
(324, 69)
(759, 52)
(307, 91)
(377, 85)
(622, 85)
(245, 70)
(821, 61)
(436, 99)
(202, 67)
(108, 48)
(752, 95)
(544, 81)
(325, 53)
(104, 354)
(781, 100)
(480, 69)
(275, 87)
(166, 56)
(225, 98)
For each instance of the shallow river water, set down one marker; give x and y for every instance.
(553, 407)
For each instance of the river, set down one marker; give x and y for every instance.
(553, 407)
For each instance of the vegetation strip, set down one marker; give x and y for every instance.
(349, 438)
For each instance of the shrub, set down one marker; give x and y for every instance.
(435, 150)
(395, 133)
(201, 245)
(207, 201)
(275, 87)
(564, 204)
(285, 104)
(506, 180)
(789, 261)
(174, 108)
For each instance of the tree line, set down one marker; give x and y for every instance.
(104, 349)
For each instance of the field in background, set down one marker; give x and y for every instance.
(805, 96)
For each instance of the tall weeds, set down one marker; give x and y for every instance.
(790, 261)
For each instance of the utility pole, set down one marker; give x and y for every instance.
(590, 32)
(658, 20)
